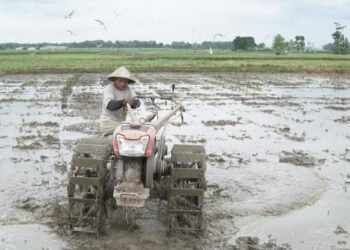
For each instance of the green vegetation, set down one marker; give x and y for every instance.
(244, 43)
(341, 43)
(299, 43)
(279, 44)
(94, 44)
(181, 60)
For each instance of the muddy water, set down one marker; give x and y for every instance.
(278, 158)
(27, 237)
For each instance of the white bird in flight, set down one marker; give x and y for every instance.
(116, 14)
(101, 22)
(70, 14)
(70, 32)
(217, 34)
(210, 51)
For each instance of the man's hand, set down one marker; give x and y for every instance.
(134, 103)
(125, 101)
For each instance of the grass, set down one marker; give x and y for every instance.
(178, 60)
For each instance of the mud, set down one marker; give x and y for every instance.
(299, 158)
(343, 119)
(277, 159)
(254, 243)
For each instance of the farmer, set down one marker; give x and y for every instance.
(115, 96)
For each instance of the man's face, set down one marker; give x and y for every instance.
(120, 83)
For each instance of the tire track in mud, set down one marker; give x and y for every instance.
(67, 90)
(252, 192)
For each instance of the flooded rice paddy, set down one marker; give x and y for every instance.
(278, 159)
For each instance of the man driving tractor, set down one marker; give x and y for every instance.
(115, 96)
(124, 170)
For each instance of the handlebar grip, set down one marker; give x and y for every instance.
(170, 98)
(166, 98)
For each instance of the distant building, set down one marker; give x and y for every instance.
(53, 48)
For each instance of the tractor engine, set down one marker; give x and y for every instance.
(134, 148)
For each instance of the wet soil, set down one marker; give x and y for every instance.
(277, 147)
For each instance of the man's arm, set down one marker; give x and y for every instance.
(115, 105)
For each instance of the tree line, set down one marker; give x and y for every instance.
(124, 44)
(280, 45)
(340, 44)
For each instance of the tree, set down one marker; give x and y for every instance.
(291, 45)
(279, 45)
(299, 43)
(180, 45)
(328, 46)
(341, 43)
(243, 43)
(261, 46)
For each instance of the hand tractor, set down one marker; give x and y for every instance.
(131, 166)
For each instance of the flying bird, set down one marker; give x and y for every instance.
(70, 32)
(116, 14)
(70, 14)
(217, 34)
(338, 26)
(101, 23)
(210, 51)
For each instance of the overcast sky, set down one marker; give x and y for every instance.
(166, 21)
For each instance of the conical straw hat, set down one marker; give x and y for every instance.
(122, 72)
